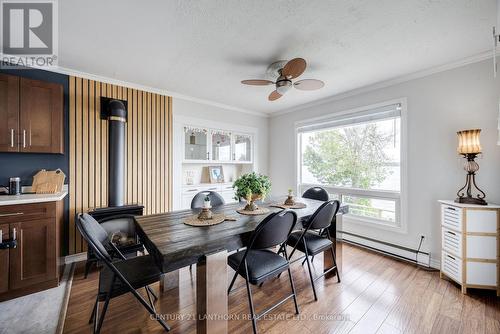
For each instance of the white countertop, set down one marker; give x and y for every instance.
(31, 198)
(465, 205)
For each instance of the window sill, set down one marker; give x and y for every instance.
(374, 223)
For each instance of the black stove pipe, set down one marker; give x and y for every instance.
(115, 111)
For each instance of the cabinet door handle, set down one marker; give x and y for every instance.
(208, 155)
(451, 257)
(14, 234)
(234, 156)
(11, 214)
(24, 138)
(11, 137)
(450, 232)
(30, 137)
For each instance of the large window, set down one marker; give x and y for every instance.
(357, 158)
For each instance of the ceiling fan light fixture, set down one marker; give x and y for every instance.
(282, 86)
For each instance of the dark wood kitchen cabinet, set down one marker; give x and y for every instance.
(9, 113)
(34, 264)
(34, 113)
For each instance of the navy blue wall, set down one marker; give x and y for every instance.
(25, 165)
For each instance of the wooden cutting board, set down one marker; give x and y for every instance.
(48, 182)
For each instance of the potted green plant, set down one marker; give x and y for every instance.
(252, 187)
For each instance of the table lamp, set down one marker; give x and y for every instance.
(469, 146)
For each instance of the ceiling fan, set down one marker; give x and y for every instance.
(285, 72)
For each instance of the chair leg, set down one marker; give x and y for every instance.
(96, 317)
(250, 301)
(93, 310)
(232, 282)
(104, 309)
(304, 261)
(293, 286)
(150, 309)
(312, 259)
(310, 272)
(151, 303)
(261, 284)
(152, 293)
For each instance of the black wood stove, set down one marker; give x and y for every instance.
(117, 218)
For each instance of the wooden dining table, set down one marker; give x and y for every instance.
(175, 245)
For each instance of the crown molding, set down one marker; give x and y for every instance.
(176, 95)
(95, 77)
(387, 83)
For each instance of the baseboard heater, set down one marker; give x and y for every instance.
(397, 251)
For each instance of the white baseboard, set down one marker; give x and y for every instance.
(423, 259)
(75, 258)
(403, 253)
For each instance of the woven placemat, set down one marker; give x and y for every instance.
(217, 218)
(297, 205)
(259, 211)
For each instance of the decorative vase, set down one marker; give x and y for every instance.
(251, 206)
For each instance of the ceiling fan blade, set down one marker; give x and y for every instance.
(274, 96)
(294, 68)
(257, 82)
(309, 84)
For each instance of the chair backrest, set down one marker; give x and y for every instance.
(323, 216)
(199, 198)
(95, 235)
(316, 193)
(273, 230)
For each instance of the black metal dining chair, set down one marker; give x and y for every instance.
(118, 277)
(258, 263)
(312, 241)
(215, 199)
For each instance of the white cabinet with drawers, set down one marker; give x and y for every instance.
(470, 245)
(224, 189)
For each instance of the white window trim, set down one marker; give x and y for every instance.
(402, 226)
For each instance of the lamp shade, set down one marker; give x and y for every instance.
(468, 141)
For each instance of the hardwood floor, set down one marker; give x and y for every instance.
(377, 295)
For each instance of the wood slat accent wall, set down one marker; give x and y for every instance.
(148, 152)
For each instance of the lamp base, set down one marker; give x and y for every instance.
(465, 194)
(470, 200)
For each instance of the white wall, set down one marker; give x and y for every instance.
(438, 106)
(213, 116)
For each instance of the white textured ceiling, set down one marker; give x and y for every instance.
(203, 49)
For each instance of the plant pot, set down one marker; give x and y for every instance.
(251, 206)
